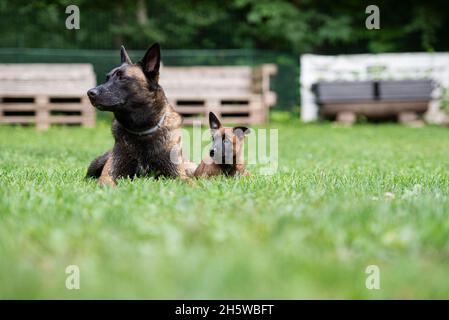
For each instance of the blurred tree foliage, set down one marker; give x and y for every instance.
(295, 26)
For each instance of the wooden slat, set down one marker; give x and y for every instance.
(236, 109)
(18, 119)
(222, 71)
(225, 120)
(203, 96)
(66, 119)
(221, 108)
(50, 107)
(182, 109)
(207, 81)
(18, 106)
(237, 120)
(191, 120)
(67, 107)
(199, 93)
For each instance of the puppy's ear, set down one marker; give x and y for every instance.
(214, 123)
(151, 61)
(241, 131)
(124, 58)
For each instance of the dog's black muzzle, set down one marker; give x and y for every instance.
(93, 94)
(102, 100)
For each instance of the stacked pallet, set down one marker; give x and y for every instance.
(236, 94)
(44, 94)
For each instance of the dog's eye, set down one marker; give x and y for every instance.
(119, 74)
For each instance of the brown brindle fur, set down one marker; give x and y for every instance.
(147, 155)
(132, 93)
(209, 166)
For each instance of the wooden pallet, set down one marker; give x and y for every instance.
(43, 111)
(45, 94)
(236, 94)
(241, 110)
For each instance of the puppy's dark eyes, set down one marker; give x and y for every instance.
(119, 74)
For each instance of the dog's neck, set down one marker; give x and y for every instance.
(146, 114)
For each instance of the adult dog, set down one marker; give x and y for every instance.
(145, 128)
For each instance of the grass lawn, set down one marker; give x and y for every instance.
(342, 199)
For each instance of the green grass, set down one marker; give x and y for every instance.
(342, 199)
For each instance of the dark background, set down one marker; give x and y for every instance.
(211, 32)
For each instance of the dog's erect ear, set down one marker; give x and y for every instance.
(124, 58)
(241, 131)
(214, 123)
(152, 60)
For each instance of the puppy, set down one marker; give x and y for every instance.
(226, 154)
(145, 128)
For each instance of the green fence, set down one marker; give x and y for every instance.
(285, 83)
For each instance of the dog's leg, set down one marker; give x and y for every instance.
(96, 167)
(241, 169)
(118, 165)
(107, 174)
(190, 168)
(182, 173)
(184, 176)
(176, 164)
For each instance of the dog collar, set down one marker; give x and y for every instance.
(148, 131)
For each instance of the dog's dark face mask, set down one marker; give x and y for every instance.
(130, 85)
